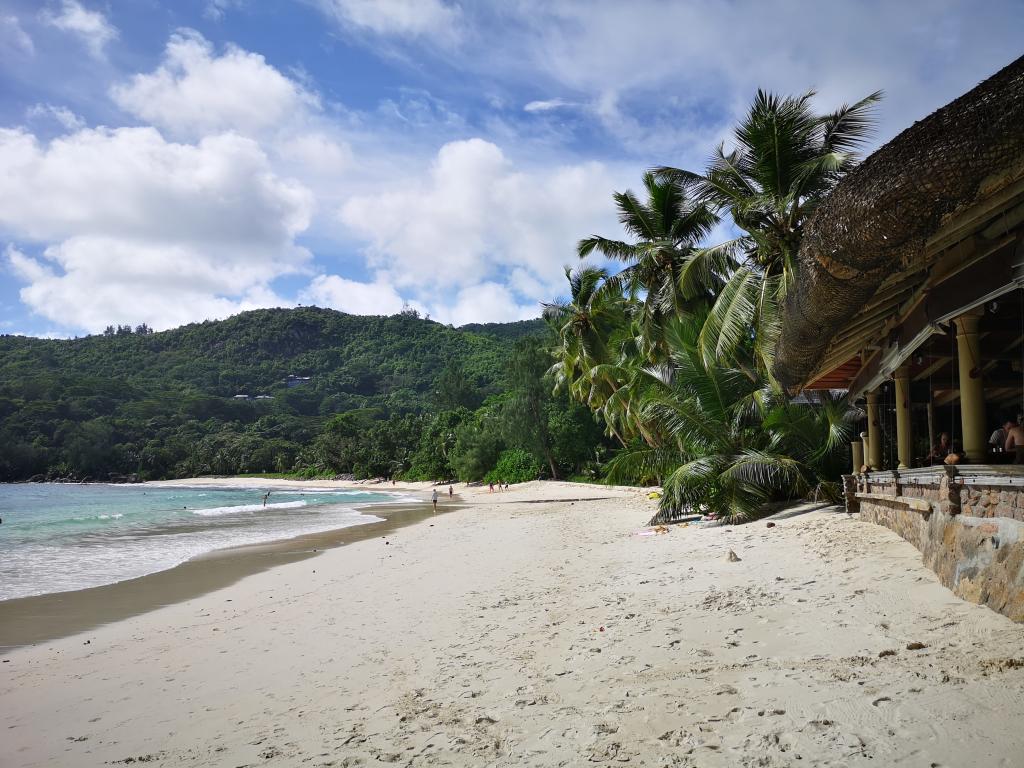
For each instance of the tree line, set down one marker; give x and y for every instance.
(385, 397)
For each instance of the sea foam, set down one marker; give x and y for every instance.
(60, 537)
(216, 511)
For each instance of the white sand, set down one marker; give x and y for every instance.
(475, 639)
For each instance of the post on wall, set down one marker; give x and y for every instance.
(857, 455)
(972, 389)
(874, 432)
(904, 439)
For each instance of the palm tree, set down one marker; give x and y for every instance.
(586, 326)
(785, 161)
(727, 442)
(583, 323)
(664, 232)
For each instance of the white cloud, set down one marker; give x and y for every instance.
(487, 302)
(419, 109)
(98, 282)
(63, 116)
(216, 10)
(13, 38)
(445, 228)
(673, 106)
(548, 105)
(27, 268)
(352, 296)
(91, 27)
(405, 18)
(194, 92)
(473, 219)
(315, 153)
(138, 229)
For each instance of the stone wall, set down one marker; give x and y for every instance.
(968, 523)
(992, 502)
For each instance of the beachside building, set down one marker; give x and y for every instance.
(910, 296)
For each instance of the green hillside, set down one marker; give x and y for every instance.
(166, 404)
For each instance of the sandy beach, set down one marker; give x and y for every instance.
(534, 627)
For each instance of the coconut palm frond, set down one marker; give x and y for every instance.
(731, 320)
(641, 465)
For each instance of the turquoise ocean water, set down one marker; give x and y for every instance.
(58, 537)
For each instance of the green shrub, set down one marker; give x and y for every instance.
(514, 466)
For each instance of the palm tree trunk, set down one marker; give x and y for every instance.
(617, 436)
(551, 463)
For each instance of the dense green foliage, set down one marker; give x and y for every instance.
(674, 351)
(722, 441)
(514, 466)
(385, 395)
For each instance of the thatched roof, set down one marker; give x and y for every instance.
(878, 220)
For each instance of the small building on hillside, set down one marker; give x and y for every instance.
(241, 397)
(296, 381)
(910, 296)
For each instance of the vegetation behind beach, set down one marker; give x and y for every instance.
(302, 391)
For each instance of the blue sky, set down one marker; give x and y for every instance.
(169, 162)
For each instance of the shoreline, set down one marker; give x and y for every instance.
(537, 628)
(35, 619)
(41, 618)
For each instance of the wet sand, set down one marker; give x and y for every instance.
(37, 619)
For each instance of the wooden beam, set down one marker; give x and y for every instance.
(960, 256)
(961, 225)
(991, 274)
(840, 355)
(935, 365)
(877, 316)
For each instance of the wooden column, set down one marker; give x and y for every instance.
(972, 391)
(874, 432)
(857, 452)
(931, 418)
(904, 441)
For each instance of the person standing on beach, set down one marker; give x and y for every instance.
(265, 497)
(433, 499)
(451, 492)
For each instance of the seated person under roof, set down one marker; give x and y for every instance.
(1015, 443)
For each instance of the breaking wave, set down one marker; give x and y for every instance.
(216, 511)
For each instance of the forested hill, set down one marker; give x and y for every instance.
(130, 401)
